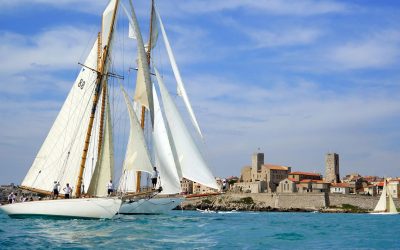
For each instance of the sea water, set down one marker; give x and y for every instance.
(196, 230)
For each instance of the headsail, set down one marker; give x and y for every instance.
(165, 154)
(192, 163)
(181, 87)
(137, 157)
(105, 165)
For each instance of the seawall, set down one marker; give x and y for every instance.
(281, 202)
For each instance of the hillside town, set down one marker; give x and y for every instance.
(263, 177)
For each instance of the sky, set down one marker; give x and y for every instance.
(294, 79)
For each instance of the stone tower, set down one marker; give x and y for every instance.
(257, 160)
(332, 168)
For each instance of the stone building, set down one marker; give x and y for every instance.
(271, 174)
(332, 168)
(186, 186)
(299, 176)
(288, 185)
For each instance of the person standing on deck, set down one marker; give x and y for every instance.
(11, 198)
(110, 188)
(154, 177)
(67, 191)
(56, 188)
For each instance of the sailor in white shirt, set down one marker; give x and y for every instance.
(110, 188)
(67, 191)
(154, 177)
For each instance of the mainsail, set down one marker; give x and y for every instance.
(143, 92)
(192, 163)
(60, 155)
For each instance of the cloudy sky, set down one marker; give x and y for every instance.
(293, 78)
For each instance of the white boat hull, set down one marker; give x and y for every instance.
(155, 205)
(94, 208)
(385, 213)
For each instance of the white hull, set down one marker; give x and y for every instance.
(96, 208)
(385, 213)
(154, 205)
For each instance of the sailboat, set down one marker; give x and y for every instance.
(78, 149)
(385, 204)
(175, 152)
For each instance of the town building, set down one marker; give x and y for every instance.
(258, 172)
(394, 188)
(340, 188)
(332, 168)
(186, 186)
(299, 176)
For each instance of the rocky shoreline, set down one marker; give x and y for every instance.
(232, 202)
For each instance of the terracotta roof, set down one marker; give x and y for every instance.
(340, 185)
(275, 167)
(315, 181)
(380, 184)
(305, 173)
(291, 179)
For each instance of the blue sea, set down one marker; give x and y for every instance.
(195, 230)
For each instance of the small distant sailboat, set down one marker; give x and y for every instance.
(385, 204)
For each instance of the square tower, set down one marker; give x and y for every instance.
(257, 160)
(332, 168)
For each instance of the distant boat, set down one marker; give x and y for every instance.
(385, 204)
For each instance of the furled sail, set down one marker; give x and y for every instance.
(191, 161)
(137, 157)
(59, 157)
(181, 87)
(143, 91)
(105, 166)
(166, 161)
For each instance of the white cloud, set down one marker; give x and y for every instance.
(56, 48)
(379, 50)
(277, 7)
(283, 37)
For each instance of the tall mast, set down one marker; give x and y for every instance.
(99, 80)
(143, 116)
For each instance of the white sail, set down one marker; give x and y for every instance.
(137, 157)
(105, 166)
(391, 207)
(381, 205)
(181, 87)
(192, 163)
(164, 156)
(143, 92)
(59, 157)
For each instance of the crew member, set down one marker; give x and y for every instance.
(154, 177)
(110, 188)
(56, 187)
(67, 191)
